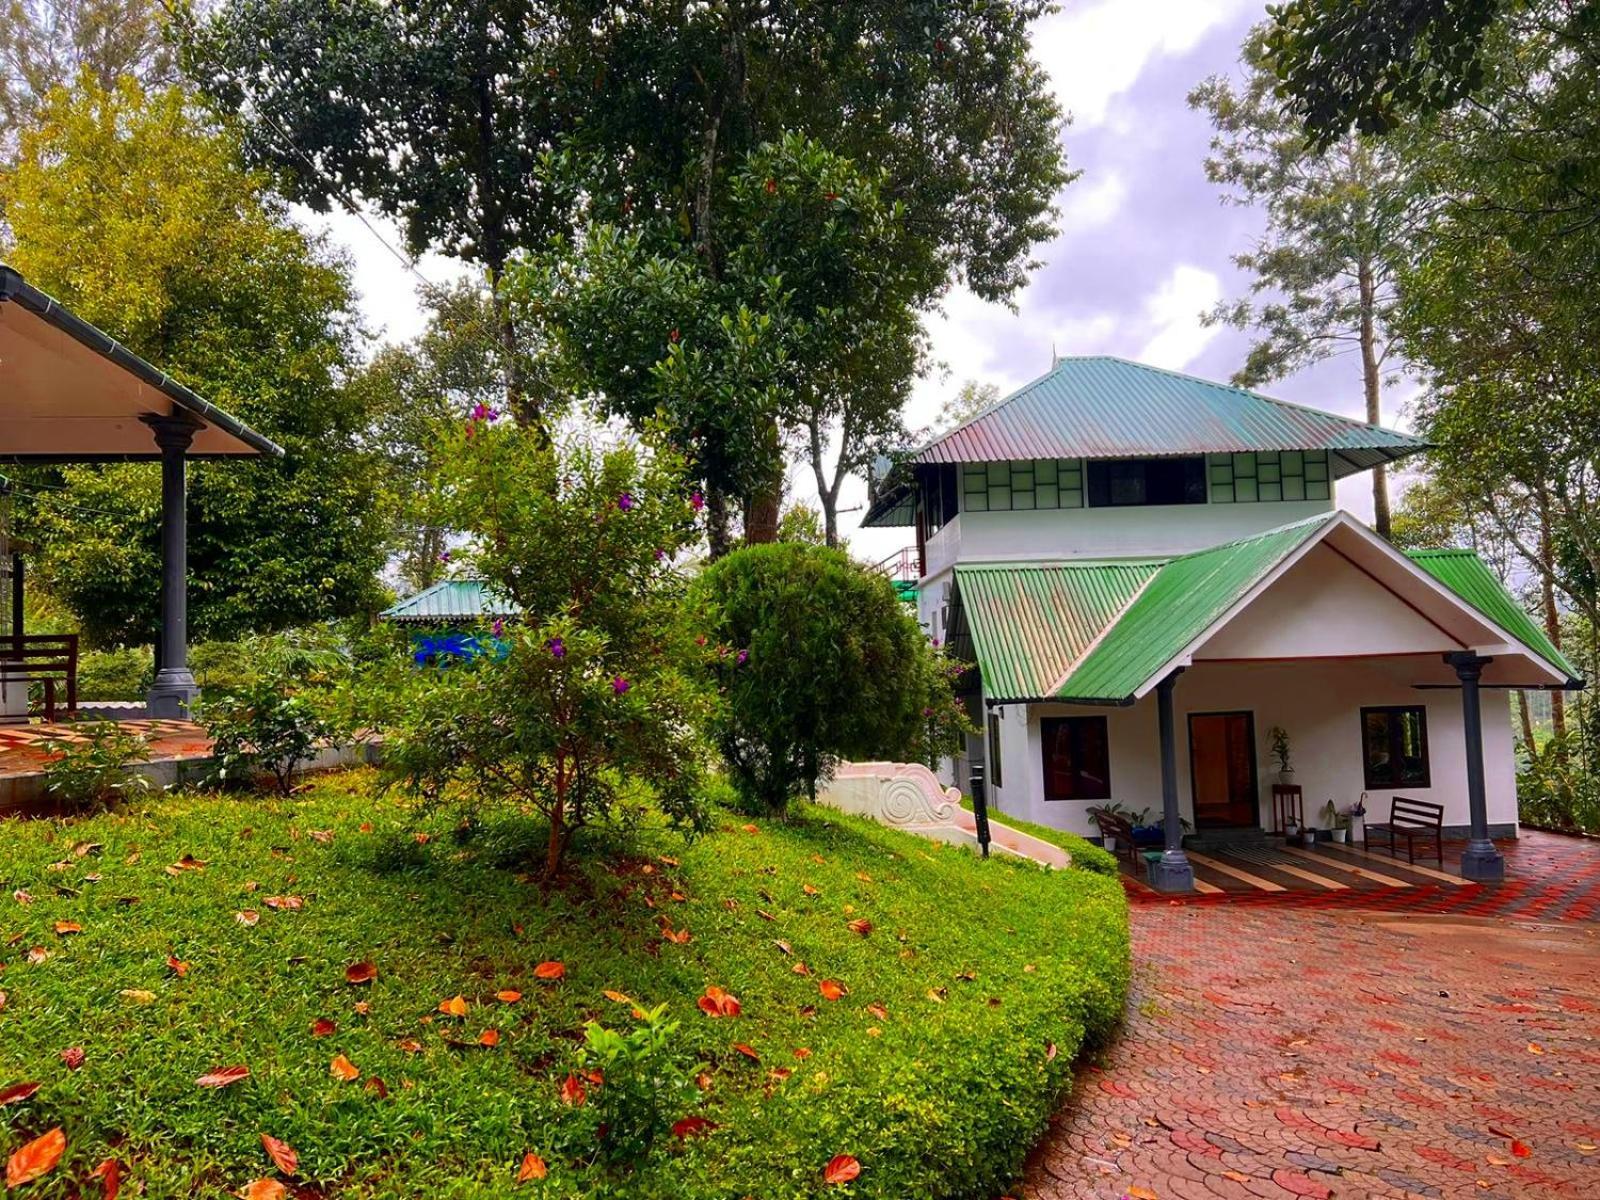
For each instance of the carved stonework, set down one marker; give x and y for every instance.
(899, 794)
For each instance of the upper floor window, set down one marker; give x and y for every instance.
(1270, 475)
(1115, 483)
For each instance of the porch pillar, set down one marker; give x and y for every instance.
(175, 689)
(1173, 873)
(1480, 861)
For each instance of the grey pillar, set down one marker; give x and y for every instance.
(175, 690)
(1173, 873)
(1480, 861)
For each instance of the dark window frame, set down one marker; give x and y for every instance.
(994, 751)
(1173, 481)
(1047, 727)
(1389, 782)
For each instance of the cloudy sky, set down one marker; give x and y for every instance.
(1145, 247)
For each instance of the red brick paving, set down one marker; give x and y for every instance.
(21, 746)
(1275, 1050)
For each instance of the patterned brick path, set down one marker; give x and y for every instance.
(1278, 1050)
(22, 746)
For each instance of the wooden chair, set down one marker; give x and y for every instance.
(48, 659)
(1411, 819)
(1118, 826)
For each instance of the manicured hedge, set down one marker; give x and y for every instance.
(970, 991)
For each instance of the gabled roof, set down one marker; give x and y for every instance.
(450, 600)
(1107, 632)
(73, 393)
(1104, 407)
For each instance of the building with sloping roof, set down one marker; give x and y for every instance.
(1151, 578)
(450, 602)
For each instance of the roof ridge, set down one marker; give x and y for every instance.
(1317, 519)
(1144, 560)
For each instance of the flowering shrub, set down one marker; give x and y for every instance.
(590, 693)
(830, 665)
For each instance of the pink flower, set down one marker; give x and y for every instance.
(697, 501)
(482, 412)
(744, 657)
(619, 685)
(497, 626)
(626, 501)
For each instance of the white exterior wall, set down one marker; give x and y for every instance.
(1317, 703)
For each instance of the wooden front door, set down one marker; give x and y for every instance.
(1222, 768)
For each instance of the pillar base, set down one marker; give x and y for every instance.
(173, 695)
(1172, 873)
(1482, 863)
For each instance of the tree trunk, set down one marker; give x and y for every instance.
(718, 538)
(558, 812)
(1526, 717)
(1552, 615)
(827, 495)
(765, 503)
(1370, 380)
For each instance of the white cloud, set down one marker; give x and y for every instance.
(1093, 201)
(1175, 310)
(1095, 52)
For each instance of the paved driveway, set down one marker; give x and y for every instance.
(1280, 1051)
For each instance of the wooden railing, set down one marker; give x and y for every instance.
(48, 659)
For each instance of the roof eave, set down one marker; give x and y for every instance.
(14, 288)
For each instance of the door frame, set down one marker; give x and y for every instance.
(1249, 716)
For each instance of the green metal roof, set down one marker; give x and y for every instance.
(1179, 603)
(450, 600)
(1030, 623)
(1098, 632)
(1469, 577)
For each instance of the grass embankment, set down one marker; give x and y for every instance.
(967, 999)
(1086, 856)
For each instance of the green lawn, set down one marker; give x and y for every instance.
(967, 999)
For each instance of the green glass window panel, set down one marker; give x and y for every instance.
(1292, 462)
(1267, 472)
(1071, 497)
(1045, 495)
(1316, 489)
(1269, 491)
(1244, 465)
(999, 474)
(1222, 474)
(1294, 488)
(1244, 490)
(1317, 466)
(1044, 471)
(1222, 493)
(1220, 460)
(999, 498)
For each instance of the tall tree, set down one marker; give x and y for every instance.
(46, 44)
(1339, 226)
(437, 114)
(133, 208)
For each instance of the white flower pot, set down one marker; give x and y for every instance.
(1358, 829)
(1338, 835)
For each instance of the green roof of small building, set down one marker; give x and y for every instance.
(450, 600)
(1100, 632)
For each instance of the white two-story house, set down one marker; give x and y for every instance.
(1149, 573)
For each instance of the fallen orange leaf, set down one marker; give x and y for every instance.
(841, 1168)
(748, 1051)
(289, 903)
(878, 1011)
(550, 970)
(248, 917)
(509, 996)
(1139, 1193)
(861, 925)
(322, 1027)
(532, 1168)
(223, 1076)
(177, 966)
(361, 972)
(718, 1003)
(692, 1127)
(281, 1153)
(831, 989)
(1520, 1148)
(17, 1092)
(65, 927)
(109, 1171)
(264, 1189)
(573, 1093)
(489, 1037)
(456, 1006)
(38, 1158)
(342, 1068)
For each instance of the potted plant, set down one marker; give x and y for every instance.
(1358, 819)
(1338, 822)
(1291, 829)
(1144, 833)
(1278, 738)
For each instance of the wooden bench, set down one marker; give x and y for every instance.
(1118, 826)
(1411, 819)
(48, 659)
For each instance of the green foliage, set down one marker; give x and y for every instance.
(942, 1103)
(1086, 856)
(590, 691)
(263, 727)
(1278, 740)
(1558, 786)
(96, 765)
(648, 1086)
(122, 673)
(132, 208)
(816, 660)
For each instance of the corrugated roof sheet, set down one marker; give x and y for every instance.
(1103, 407)
(1469, 577)
(1030, 623)
(1110, 627)
(1186, 595)
(451, 600)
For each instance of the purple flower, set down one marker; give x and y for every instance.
(444, 556)
(744, 657)
(626, 501)
(927, 712)
(935, 643)
(697, 502)
(619, 685)
(660, 554)
(558, 648)
(497, 626)
(482, 412)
